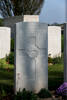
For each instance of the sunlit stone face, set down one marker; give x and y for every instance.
(31, 56)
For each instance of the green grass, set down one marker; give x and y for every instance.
(6, 73)
(55, 75)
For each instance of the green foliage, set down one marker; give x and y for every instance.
(57, 60)
(5, 88)
(12, 45)
(10, 58)
(20, 7)
(27, 7)
(5, 65)
(25, 95)
(50, 60)
(6, 8)
(62, 43)
(1, 22)
(6, 92)
(3, 93)
(44, 93)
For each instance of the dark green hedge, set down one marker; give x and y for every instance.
(10, 58)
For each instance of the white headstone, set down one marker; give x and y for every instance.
(31, 59)
(4, 41)
(54, 41)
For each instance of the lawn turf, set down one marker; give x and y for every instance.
(55, 75)
(6, 73)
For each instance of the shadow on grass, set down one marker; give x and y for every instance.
(6, 74)
(55, 80)
(7, 88)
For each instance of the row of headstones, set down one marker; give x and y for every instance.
(31, 56)
(54, 41)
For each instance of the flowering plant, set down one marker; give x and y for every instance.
(62, 90)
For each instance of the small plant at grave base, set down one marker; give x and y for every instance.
(6, 92)
(3, 93)
(57, 60)
(10, 58)
(50, 60)
(25, 95)
(44, 94)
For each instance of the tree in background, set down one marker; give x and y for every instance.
(6, 8)
(20, 7)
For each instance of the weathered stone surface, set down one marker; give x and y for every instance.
(31, 59)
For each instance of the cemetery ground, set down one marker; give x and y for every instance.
(55, 77)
